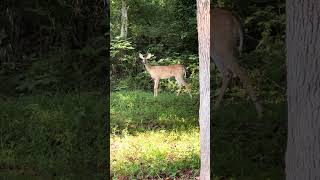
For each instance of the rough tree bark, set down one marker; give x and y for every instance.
(124, 19)
(203, 24)
(303, 81)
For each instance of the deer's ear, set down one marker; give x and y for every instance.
(141, 56)
(149, 56)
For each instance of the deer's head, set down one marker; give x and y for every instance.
(145, 57)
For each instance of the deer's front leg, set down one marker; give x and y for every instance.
(155, 87)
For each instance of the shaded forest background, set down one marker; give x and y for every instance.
(53, 46)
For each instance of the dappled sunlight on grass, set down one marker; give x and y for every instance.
(154, 137)
(155, 153)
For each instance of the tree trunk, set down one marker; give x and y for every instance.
(303, 81)
(124, 20)
(203, 23)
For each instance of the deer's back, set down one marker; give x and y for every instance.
(164, 72)
(223, 31)
(224, 34)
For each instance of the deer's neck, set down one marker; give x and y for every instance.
(148, 66)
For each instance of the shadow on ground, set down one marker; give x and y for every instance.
(248, 148)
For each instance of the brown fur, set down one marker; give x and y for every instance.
(225, 32)
(165, 72)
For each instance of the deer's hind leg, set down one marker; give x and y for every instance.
(225, 82)
(179, 84)
(248, 85)
(182, 82)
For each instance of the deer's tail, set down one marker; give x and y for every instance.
(240, 33)
(185, 72)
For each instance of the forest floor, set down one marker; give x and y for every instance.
(157, 138)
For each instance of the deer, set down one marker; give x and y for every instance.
(225, 32)
(178, 71)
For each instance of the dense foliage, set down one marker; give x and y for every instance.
(167, 28)
(52, 46)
